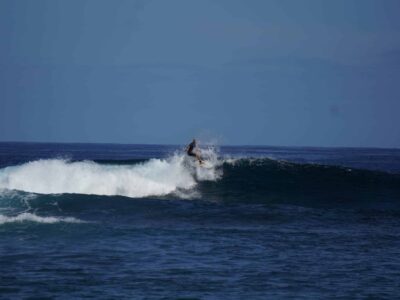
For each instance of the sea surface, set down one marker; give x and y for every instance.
(106, 221)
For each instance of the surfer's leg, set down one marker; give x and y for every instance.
(199, 158)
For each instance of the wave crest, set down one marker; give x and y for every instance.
(155, 177)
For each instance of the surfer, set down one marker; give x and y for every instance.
(191, 151)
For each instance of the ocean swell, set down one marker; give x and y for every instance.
(266, 180)
(238, 180)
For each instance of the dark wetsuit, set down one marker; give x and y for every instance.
(190, 149)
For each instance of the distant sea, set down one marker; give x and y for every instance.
(109, 221)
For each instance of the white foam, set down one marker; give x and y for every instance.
(28, 217)
(155, 177)
(211, 170)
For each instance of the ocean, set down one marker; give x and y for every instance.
(108, 221)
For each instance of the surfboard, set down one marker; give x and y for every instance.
(206, 164)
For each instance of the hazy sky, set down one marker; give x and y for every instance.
(318, 73)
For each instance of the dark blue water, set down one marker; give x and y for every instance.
(145, 222)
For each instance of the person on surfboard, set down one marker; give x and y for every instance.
(191, 151)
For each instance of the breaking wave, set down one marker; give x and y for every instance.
(155, 177)
(246, 180)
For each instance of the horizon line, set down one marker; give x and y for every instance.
(220, 145)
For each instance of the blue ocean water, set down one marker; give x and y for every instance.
(146, 222)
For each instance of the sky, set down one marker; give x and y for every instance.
(279, 73)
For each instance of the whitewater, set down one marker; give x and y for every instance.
(155, 177)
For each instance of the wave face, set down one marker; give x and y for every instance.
(244, 180)
(267, 180)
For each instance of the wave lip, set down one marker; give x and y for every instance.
(28, 217)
